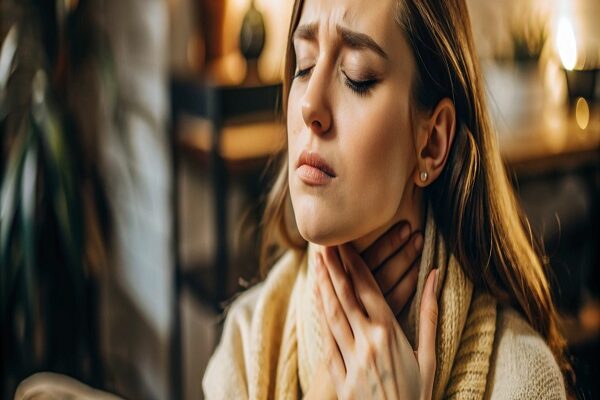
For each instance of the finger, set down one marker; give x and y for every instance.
(427, 333)
(366, 287)
(392, 271)
(406, 373)
(344, 289)
(399, 295)
(386, 245)
(336, 318)
(331, 352)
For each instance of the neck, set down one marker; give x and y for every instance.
(411, 209)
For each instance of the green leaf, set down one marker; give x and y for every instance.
(28, 202)
(8, 209)
(63, 196)
(7, 56)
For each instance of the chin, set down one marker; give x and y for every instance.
(316, 230)
(323, 223)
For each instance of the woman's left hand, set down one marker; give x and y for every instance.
(367, 353)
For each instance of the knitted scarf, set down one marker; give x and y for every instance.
(283, 341)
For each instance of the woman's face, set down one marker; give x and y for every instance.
(348, 107)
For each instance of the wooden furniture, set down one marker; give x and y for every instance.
(550, 140)
(228, 129)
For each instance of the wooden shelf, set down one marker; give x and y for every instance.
(238, 142)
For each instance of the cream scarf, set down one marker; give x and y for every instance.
(281, 342)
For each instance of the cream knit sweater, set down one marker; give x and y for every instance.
(271, 344)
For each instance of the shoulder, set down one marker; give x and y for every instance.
(226, 374)
(522, 365)
(243, 306)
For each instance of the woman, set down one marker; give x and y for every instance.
(386, 122)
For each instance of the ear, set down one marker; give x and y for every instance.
(434, 141)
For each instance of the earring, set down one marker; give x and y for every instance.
(424, 176)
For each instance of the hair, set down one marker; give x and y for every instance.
(473, 202)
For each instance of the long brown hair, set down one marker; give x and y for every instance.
(474, 204)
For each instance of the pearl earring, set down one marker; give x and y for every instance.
(424, 176)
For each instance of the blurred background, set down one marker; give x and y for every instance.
(135, 137)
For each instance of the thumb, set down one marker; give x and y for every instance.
(427, 332)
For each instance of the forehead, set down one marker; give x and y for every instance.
(372, 17)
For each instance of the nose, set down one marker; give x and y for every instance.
(316, 110)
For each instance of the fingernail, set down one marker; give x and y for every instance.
(418, 241)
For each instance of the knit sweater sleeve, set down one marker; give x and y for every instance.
(522, 365)
(226, 374)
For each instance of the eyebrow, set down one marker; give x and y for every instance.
(352, 39)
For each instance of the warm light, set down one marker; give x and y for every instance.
(71, 5)
(276, 15)
(582, 113)
(566, 45)
(555, 82)
(195, 52)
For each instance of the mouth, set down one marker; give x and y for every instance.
(313, 169)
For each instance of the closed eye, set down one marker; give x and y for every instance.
(302, 72)
(362, 88)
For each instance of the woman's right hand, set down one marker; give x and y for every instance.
(393, 260)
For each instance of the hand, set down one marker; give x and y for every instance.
(367, 353)
(393, 261)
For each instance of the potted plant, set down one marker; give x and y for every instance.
(52, 208)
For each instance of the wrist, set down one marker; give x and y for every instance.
(321, 385)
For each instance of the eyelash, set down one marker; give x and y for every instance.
(361, 88)
(302, 73)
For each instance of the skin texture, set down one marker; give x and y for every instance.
(367, 354)
(367, 138)
(351, 103)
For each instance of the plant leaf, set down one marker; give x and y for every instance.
(8, 209)
(62, 194)
(28, 202)
(7, 55)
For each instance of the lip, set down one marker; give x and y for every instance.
(313, 169)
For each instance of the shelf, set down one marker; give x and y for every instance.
(239, 142)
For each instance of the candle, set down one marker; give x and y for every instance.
(566, 44)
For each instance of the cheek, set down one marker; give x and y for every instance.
(379, 154)
(294, 122)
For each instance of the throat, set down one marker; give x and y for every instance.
(411, 209)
